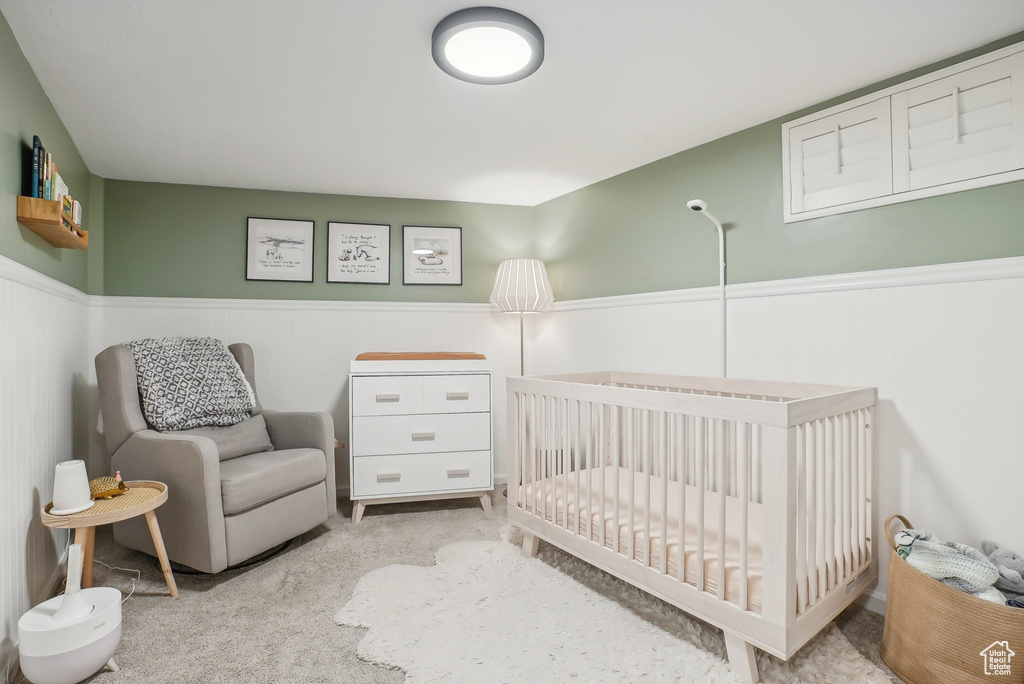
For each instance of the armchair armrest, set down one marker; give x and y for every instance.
(193, 516)
(306, 431)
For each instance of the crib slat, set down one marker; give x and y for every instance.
(615, 456)
(646, 460)
(830, 527)
(722, 456)
(602, 454)
(631, 506)
(862, 525)
(663, 453)
(801, 519)
(567, 463)
(684, 450)
(700, 458)
(586, 418)
(819, 516)
(812, 519)
(871, 433)
(743, 468)
(847, 498)
(577, 527)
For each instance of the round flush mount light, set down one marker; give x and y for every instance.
(488, 45)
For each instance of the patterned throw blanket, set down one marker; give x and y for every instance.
(188, 382)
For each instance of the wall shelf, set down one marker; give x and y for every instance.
(45, 218)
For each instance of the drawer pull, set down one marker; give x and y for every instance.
(389, 477)
(382, 398)
(457, 396)
(423, 436)
(462, 472)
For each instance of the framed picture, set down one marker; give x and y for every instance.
(279, 249)
(431, 255)
(358, 253)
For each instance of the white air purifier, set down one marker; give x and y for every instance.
(68, 638)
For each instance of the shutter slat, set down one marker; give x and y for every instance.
(851, 175)
(974, 145)
(971, 122)
(865, 151)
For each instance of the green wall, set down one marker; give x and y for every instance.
(633, 232)
(189, 241)
(25, 110)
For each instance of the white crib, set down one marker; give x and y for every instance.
(764, 486)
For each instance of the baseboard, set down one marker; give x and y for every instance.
(873, 600)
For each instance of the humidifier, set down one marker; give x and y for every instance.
(68, 638)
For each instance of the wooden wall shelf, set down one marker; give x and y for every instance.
(45, 218)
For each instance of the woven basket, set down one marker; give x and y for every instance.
(935, 634)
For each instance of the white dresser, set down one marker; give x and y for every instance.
(419, 430)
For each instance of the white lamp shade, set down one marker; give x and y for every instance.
(522, 286)
(70, 488)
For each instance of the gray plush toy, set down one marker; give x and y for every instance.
(1011, 568)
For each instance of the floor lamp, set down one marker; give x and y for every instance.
(521, 286)
(700, 206)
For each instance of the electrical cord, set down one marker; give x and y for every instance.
(135, 580)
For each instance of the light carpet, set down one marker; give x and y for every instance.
(274, 622)
(437, 624)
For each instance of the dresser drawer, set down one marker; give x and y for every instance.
(387, 395)
(456, 394)
(387, 475)
(461, 470)
(420, 434)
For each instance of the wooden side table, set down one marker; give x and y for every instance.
(141, 498)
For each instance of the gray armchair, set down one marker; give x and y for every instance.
(234, 492)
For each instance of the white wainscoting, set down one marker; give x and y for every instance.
(943, 344)
(43, 368)
(303, 349)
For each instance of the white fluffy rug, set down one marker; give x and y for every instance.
(485, 613)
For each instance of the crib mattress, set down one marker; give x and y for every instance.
(552, 492)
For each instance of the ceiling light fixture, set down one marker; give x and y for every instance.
(488, 45)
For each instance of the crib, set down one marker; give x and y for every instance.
(744, 503)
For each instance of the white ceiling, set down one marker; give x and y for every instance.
(341, 96)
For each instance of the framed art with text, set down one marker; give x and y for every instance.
(431, 255)
(279, 249)
(358, 253)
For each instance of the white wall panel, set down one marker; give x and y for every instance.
(944, 345)
(303, 349)
(43, 362)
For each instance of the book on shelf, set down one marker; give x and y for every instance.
(48, 180)
(34, 184)
(45, 182)
(60, 188)
(40, 189)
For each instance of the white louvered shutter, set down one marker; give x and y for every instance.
(841, 158)
(964, 126)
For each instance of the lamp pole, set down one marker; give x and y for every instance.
(702, 207)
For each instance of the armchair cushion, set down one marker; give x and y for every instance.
(256, 479)
(248, 437)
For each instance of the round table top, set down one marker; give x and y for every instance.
(142, 496)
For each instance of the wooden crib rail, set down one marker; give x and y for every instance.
(672, 396)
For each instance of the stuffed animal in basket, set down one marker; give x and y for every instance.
(1010, 565)
(107, 487)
